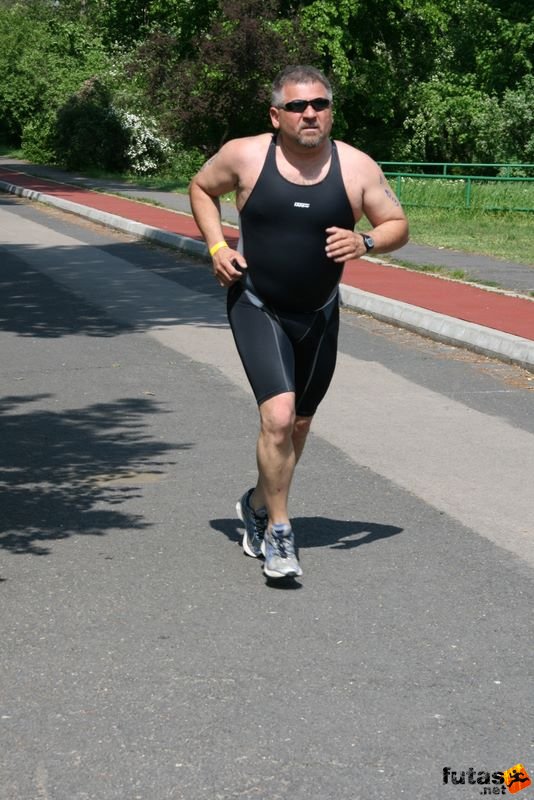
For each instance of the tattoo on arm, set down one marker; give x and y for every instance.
(208, 162)
(391, 196)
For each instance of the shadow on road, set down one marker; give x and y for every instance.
(320, 532)
(65, 473)
(33, 303)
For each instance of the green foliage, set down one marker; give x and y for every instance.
(457, 193)
(391, 59)
(184, 163)
(43, 59)
(89, 133)
(146, 152)
(451, 121)
(418, 79)
(129, 22)
(517, 140)
(38, 139)
(223, 89)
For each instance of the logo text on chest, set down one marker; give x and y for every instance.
(301, 205)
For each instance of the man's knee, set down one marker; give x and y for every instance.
(301, 427)
(278, 416)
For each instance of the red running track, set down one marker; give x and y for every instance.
(491, 309)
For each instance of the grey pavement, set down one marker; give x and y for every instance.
(143, 656)
(507, 274)
(456, 329)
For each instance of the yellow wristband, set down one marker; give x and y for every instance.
(216, 247)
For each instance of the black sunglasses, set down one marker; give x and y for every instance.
(298, 106)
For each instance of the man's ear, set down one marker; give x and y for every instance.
(275, 117)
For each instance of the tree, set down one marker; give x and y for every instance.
(517, 141)
(88, 110)
(223, 89)
(452, 121)
(129, 22)
(43, 59)
(392, 59)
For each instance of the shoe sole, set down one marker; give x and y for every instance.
(277, 575)
(246, 547)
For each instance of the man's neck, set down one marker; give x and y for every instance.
(309, 163)
(298, 154)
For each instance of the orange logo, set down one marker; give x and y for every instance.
(516, 778)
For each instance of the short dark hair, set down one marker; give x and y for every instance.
(299, 73)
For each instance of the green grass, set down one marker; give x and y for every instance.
(512, 194)
(10, 152)
(506, 235)
(159, 183)
(439, 217)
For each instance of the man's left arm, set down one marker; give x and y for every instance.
(383, 210)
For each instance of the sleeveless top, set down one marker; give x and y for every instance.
(283, 236)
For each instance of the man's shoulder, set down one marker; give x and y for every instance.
(248, 147)
(352, 157)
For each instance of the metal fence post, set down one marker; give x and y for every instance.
(468, 193)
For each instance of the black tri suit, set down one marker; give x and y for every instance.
(284, 312)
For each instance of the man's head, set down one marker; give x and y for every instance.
(298, 74)
(301, 106)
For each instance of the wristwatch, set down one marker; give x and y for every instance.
(368, 241)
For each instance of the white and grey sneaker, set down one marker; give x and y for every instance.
(279, 549)
(255, 525)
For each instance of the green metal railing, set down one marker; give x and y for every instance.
(447, 185)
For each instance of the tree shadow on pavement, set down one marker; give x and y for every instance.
(65, 473)
(320, 532)
(119, 295)
(31, 304)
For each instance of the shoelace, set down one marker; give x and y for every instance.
(283, 544)
(260, 523)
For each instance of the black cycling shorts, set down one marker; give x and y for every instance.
(285, 352)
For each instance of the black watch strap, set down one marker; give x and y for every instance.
(368, 241)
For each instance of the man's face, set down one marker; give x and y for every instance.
(309, 128)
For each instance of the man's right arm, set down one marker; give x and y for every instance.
(218, 176)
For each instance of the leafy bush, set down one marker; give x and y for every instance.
(451, 121)
(44, 58)
(89, 132)
(38, 139)
(517, 143)
(146, 151)
(222, 90)
(184, 163)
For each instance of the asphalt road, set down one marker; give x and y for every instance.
(143, 656)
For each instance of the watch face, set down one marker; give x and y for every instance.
(368, 242)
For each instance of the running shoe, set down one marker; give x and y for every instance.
(255, 525)
(279, 548)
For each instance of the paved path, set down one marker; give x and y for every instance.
(495, 323)
(143, 656)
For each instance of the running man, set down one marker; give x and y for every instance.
(299, 196)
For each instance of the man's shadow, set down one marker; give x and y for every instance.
(337, 534)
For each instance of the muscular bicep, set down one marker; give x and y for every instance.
(379, 202)
(218, 175)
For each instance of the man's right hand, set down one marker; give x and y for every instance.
(228, 266)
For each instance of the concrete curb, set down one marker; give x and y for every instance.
(441, 327)
(185, 243)
(488, 341)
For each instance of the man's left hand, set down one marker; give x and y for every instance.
(343, 245)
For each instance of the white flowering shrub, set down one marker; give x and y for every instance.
(147, 152)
